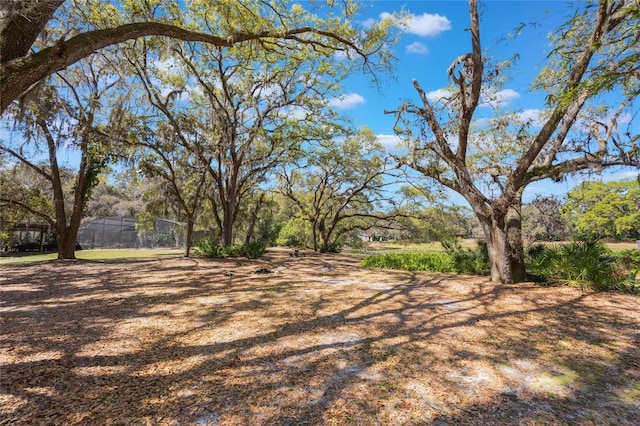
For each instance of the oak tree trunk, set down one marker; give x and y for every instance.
(498, 253)
(227, 224)
(502, 233)
(515, 246)
(188, 237)
(324, 245)
(67, 246)
(254, 218)
(20, 24)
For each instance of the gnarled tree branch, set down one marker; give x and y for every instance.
(19, 74)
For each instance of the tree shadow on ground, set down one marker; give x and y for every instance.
(320, 340)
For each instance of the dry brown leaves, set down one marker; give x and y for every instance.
(318, 341)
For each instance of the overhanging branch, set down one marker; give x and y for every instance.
(18, 75)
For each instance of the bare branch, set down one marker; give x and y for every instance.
(26, 162)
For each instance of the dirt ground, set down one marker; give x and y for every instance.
(307, 340)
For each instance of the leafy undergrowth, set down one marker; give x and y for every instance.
(588, 265)
(308, 340)
(425, 261)
(455, 258)
(585, 265)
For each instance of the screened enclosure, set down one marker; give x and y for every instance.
(121, 232)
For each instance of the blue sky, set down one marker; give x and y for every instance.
(435, 37)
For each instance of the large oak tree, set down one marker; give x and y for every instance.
(604, 209)
(340, 186)
(240, 112)
(491, 163)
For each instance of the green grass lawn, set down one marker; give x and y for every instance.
(623, 246)
(13, 259)
(400, 247)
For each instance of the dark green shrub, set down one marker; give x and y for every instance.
(627, 265)
(583, 264)
(629, 258)
(468, 261)
(208, 248)
(455, 259)
(586, 264)
(232, 251)
(213, 249)
(295, 233)
(386, 261)
(540, 259)
(253, 250)
(335, 247)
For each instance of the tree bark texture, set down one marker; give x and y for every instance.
(229, 208)
(20, 24)
(188, 237)
(254, 218)
(502, 234)
(515, 247)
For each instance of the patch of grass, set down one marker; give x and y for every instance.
(556, 378)
(108, 255)
(208, 248)
(627, 265)
(429, 261)
(458, 259)
(623, 246)
(387, 385)
(384, 247)
(632, 396)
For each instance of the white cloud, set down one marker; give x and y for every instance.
(500, 98)
(424, 25)
(493, 99)
(418, 48)
(347, 101)
(389, 141)
(628, 174)
(428, 25)
(481, 122)
(439, 95)
(545, 189)
(369, 23)
(296, 112)
(507, 95)
(535, 116)
(625, 118)
(340, 55)
(167, 65)
(584, 124)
